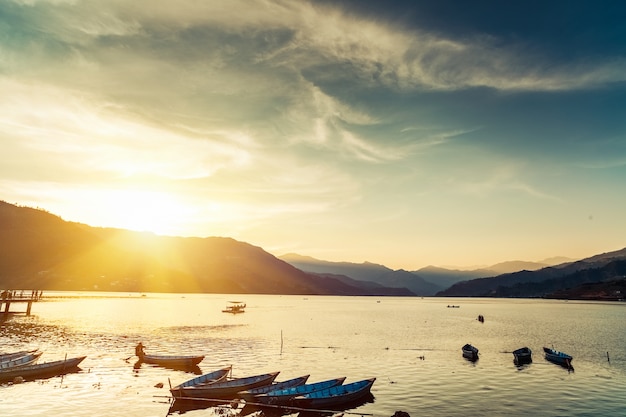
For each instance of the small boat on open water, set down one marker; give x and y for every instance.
(559, 358)
(235, 307)
(470, 352)
(523, 355)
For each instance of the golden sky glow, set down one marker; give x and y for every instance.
(344, 131)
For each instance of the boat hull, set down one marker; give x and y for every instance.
(290, 383)
(283, 396)
(224, 389)
(171, 361)
(42, 370)
(522, 356)
(9, 356)
(206, 379)
(19, 361)
(559, 358)
(470, 352)
(337, 396)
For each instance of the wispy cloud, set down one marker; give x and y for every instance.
(72, 131)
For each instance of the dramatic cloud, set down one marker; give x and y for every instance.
(368, 121)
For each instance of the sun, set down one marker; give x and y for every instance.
(145, 211)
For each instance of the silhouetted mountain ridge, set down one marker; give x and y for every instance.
(42, 251)
(565, 274)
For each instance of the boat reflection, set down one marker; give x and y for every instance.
(182, 406)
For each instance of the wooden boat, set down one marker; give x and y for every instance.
(18, 361)
(335, 396)
(290, 383)
(559, 358)
(227, 389)
(171, 361)
(470, 352)
(283, 396)
(42, 370)
(8, 356)
(235, 307)
(523, 355)
(209, 378)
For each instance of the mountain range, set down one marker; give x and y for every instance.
(39, 250)
(424, 282)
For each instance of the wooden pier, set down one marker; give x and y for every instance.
(18, 297)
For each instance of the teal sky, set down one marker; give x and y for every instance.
(449, 133)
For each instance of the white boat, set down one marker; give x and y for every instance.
(209, 378)
(16, 362)
(8, 356)
(235, 307)
(227, 389)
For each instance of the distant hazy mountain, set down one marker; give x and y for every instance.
(366, 272)
(513, 283)
(425, 282)
(39, 250)
(446, 277)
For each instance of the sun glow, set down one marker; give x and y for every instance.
(147, 211)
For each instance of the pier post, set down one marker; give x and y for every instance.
(6, 307)
(30, 304)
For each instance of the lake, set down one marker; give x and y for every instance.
(411, 345)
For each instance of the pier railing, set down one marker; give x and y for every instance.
(18, 297)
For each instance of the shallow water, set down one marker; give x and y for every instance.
(411, 345)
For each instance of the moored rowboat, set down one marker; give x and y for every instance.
(42, 370)
(290, 383)
(335, 396)
(523, 355)
(209, 378)
(8, 356)
(470, 352)
(19, 361)
(278, 397)
(559, 358)
(224, 389)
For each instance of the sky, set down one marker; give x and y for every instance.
(403, 133)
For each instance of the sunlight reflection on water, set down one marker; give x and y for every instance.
(412, 346)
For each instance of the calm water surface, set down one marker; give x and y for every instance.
(411, 345)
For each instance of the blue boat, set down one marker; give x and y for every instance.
(290, 383)
(559, 358)
(337, 396)
(282, 397)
